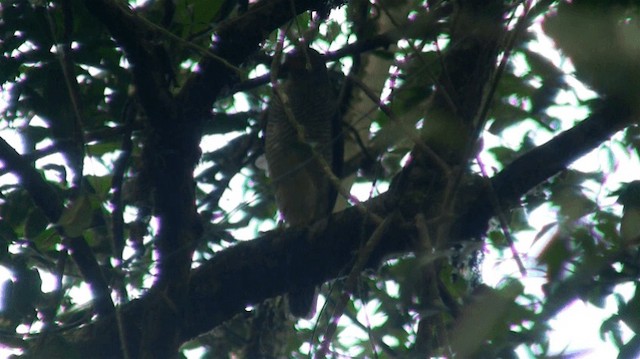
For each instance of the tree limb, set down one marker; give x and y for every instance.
(46, 198)
(279, 261)
(171, 148)
(170, 153)
(545, 161)
(237, 39)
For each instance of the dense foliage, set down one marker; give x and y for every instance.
(133, 171)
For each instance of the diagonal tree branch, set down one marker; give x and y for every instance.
(233, 279)
(47, 199)
(237, 39)
(545, 161)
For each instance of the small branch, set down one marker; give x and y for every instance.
(351, 282)
(504, 226)
(235, 44)
(119, 169)
(72, 87)
(417, 141)
(545, 161)
(376, 339)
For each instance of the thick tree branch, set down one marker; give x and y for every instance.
(170, 153)
(250, 272)
(547, 160)
(279, 261)
(237, 39)
(273, 265)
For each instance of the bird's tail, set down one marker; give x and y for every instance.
(302, 302)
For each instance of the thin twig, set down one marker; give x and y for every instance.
(199, 49)
(495, 203)
(351, 282)
(405, 129)
(71, 84)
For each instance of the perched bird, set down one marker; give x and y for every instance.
(303, 191)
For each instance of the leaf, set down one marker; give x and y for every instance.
(601, 39)
(7, 236)
(35, 223)
(544, 230)
(504, 155)
(555, 255)
(101, 185)
(47, 240)
(195, 16)
(21, 295)
(15, 209)
(630, 194)
(629, 312)
(77, 217)
(485, 318)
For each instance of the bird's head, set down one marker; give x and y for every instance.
(303, 62)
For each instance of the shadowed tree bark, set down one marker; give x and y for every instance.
(450, 82)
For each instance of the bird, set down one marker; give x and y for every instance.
(307, 122)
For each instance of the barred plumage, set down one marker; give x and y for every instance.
(303, 191)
